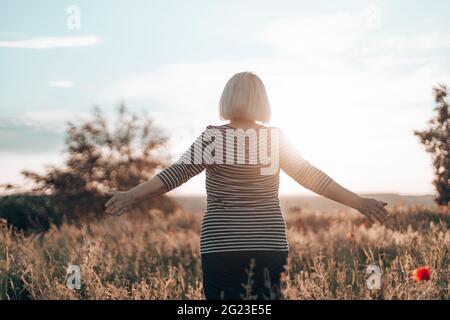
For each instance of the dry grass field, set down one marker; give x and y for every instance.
(157, 257)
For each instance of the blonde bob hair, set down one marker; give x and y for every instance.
(245, 97)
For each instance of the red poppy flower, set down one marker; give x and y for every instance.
(420, 274)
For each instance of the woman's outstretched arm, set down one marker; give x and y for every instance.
(122, 201)
(319, 182)
(190, 164)
(371, 208)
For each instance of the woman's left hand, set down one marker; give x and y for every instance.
(120, 202)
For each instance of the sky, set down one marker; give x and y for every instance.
(348, 81)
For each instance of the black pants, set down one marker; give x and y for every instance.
(243, 274)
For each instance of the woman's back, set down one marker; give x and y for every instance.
(239, 180)
(242, 182)
(243, 211)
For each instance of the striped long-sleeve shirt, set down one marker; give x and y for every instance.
(242, 181)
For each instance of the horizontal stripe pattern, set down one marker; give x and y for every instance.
(243, 210)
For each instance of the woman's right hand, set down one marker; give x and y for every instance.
(373, 209)
(119, 203)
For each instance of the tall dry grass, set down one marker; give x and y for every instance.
(157, 257)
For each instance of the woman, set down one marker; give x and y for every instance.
(243, 243)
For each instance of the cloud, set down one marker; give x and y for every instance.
(36, 131)
(187, 82)
(328, 34)
(51, 42)
(60, 83)
(346, 36)
(418, 42)
(53, 119)
(17, 135)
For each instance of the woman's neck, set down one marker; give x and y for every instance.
(244, 124)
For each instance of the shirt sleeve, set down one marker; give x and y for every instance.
(293, 164)
(190, 164)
